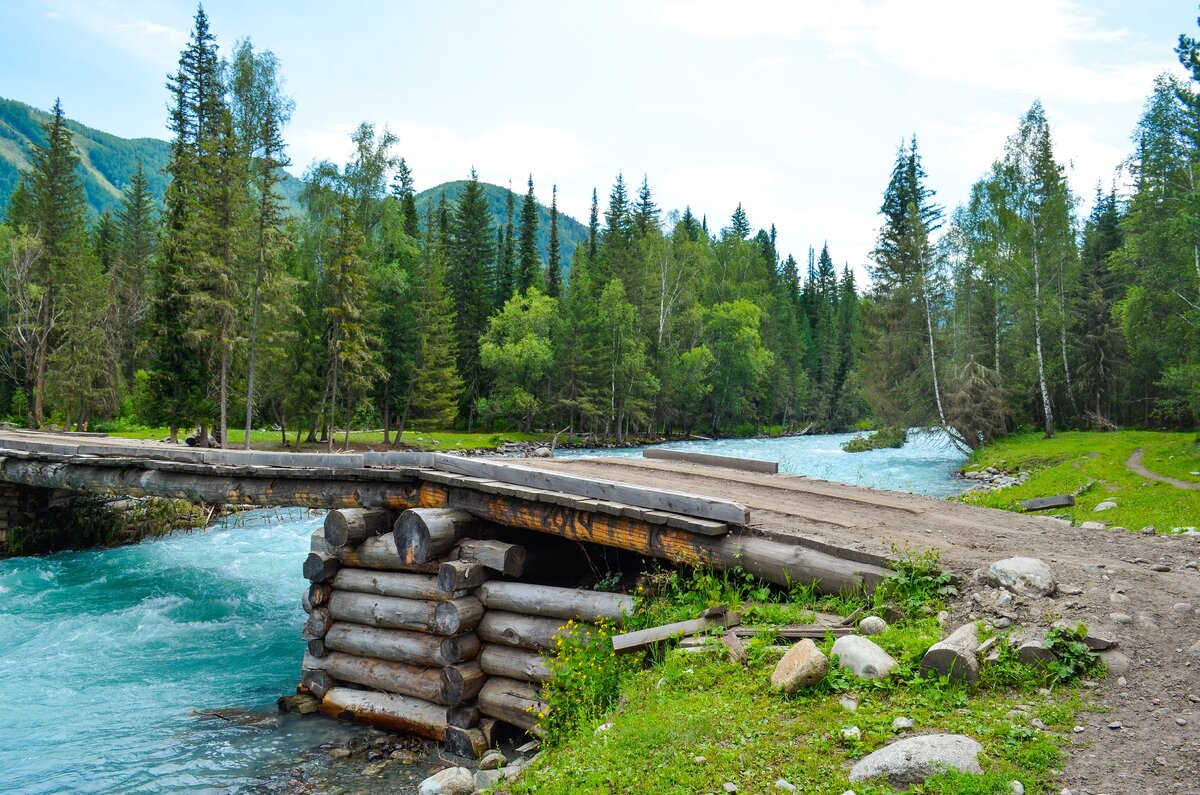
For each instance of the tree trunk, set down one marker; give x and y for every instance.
(388, 711)
(1037, 332)
(258, 280)
(398, 584)
(397, 645)
(514, 702)
(224, 422)
(558, 603)
(937, 392)
(435, 617)
(451, 685)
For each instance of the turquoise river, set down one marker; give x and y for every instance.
(155, 668)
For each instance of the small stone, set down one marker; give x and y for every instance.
(1107, 505)
(1116, 662)
(872, 625)
(1016, 788)
(1033, 653)
(729, 786)
(603, 727)
(943, 617)
(1116, 724)
(914, 759)
(1180, 722)
(1183, 608)
(1092, 526)
(338, 753)
(1192, 564)
(699, 759)
(1024, 576)
(851, 734)
(1121, 618)
(1121, 681)
(487, 778)
(848, 703)
(1118, 598)
(1192, 697)
(1080, 729)
(802, 666)
(1162, 568)
(785, 785)
(491, 760)
(902, 724)
(1003, 622)
(451, 781)
(1148, 530)
(863, 657)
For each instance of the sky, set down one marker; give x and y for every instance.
(795, 109)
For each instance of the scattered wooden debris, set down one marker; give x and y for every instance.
(1042, 503)
(714, 617)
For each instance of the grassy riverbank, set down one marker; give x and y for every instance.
(1074, 459)
(694, 721)
(418, 440)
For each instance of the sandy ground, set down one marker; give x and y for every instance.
(1101, 573)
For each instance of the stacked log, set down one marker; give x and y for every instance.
(386, 644)
(414, 630)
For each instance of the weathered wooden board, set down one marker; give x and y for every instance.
(772, 560)
(635, 641)
(708, 459)
(1042, 503)
(561, 603)
(657, 499)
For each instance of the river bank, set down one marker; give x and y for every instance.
(1119, 479)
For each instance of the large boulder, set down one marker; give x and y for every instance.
(914, 759)
(803, 665)
(863, 657)
(1023, 576)
(451, 781)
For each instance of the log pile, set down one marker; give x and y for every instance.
(417, 622)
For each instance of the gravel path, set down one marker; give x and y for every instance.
(1134, 464)
(1131, 586)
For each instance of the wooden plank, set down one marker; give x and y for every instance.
(604, 490)
(1042, 503)
(778, 561)
(635, 641)
(796, 631)
(708, 459)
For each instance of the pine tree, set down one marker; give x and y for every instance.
(436, 387)
(176, 370)
(529, 265)
(104, 240)
(554, 263)
(56, 203)
(593, 228)
(1101, 353)
(471, 252)
(137, 230)
(506, 255)
(403, 189)
(645, 211)
(739, 227)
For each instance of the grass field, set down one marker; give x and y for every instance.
(1073, 459)
(439, 440)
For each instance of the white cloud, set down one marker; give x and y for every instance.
(1032, 46)
(132, 28)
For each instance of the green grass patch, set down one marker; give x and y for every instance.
(1073, 459)
(880, 439)
(419, 440)
(691, 704)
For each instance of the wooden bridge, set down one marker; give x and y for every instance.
(682, 527)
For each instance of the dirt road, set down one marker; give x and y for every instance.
(1112, 581)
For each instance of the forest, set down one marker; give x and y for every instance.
(222, 307)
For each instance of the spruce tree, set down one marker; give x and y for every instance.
(593, 228)
(404, 191)
(554, 263)
(506, 255)
(471, 252)
(738, 225)
(137, 230)
(645, 211)
(436, 386)
(56, 204)
(529, 264)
